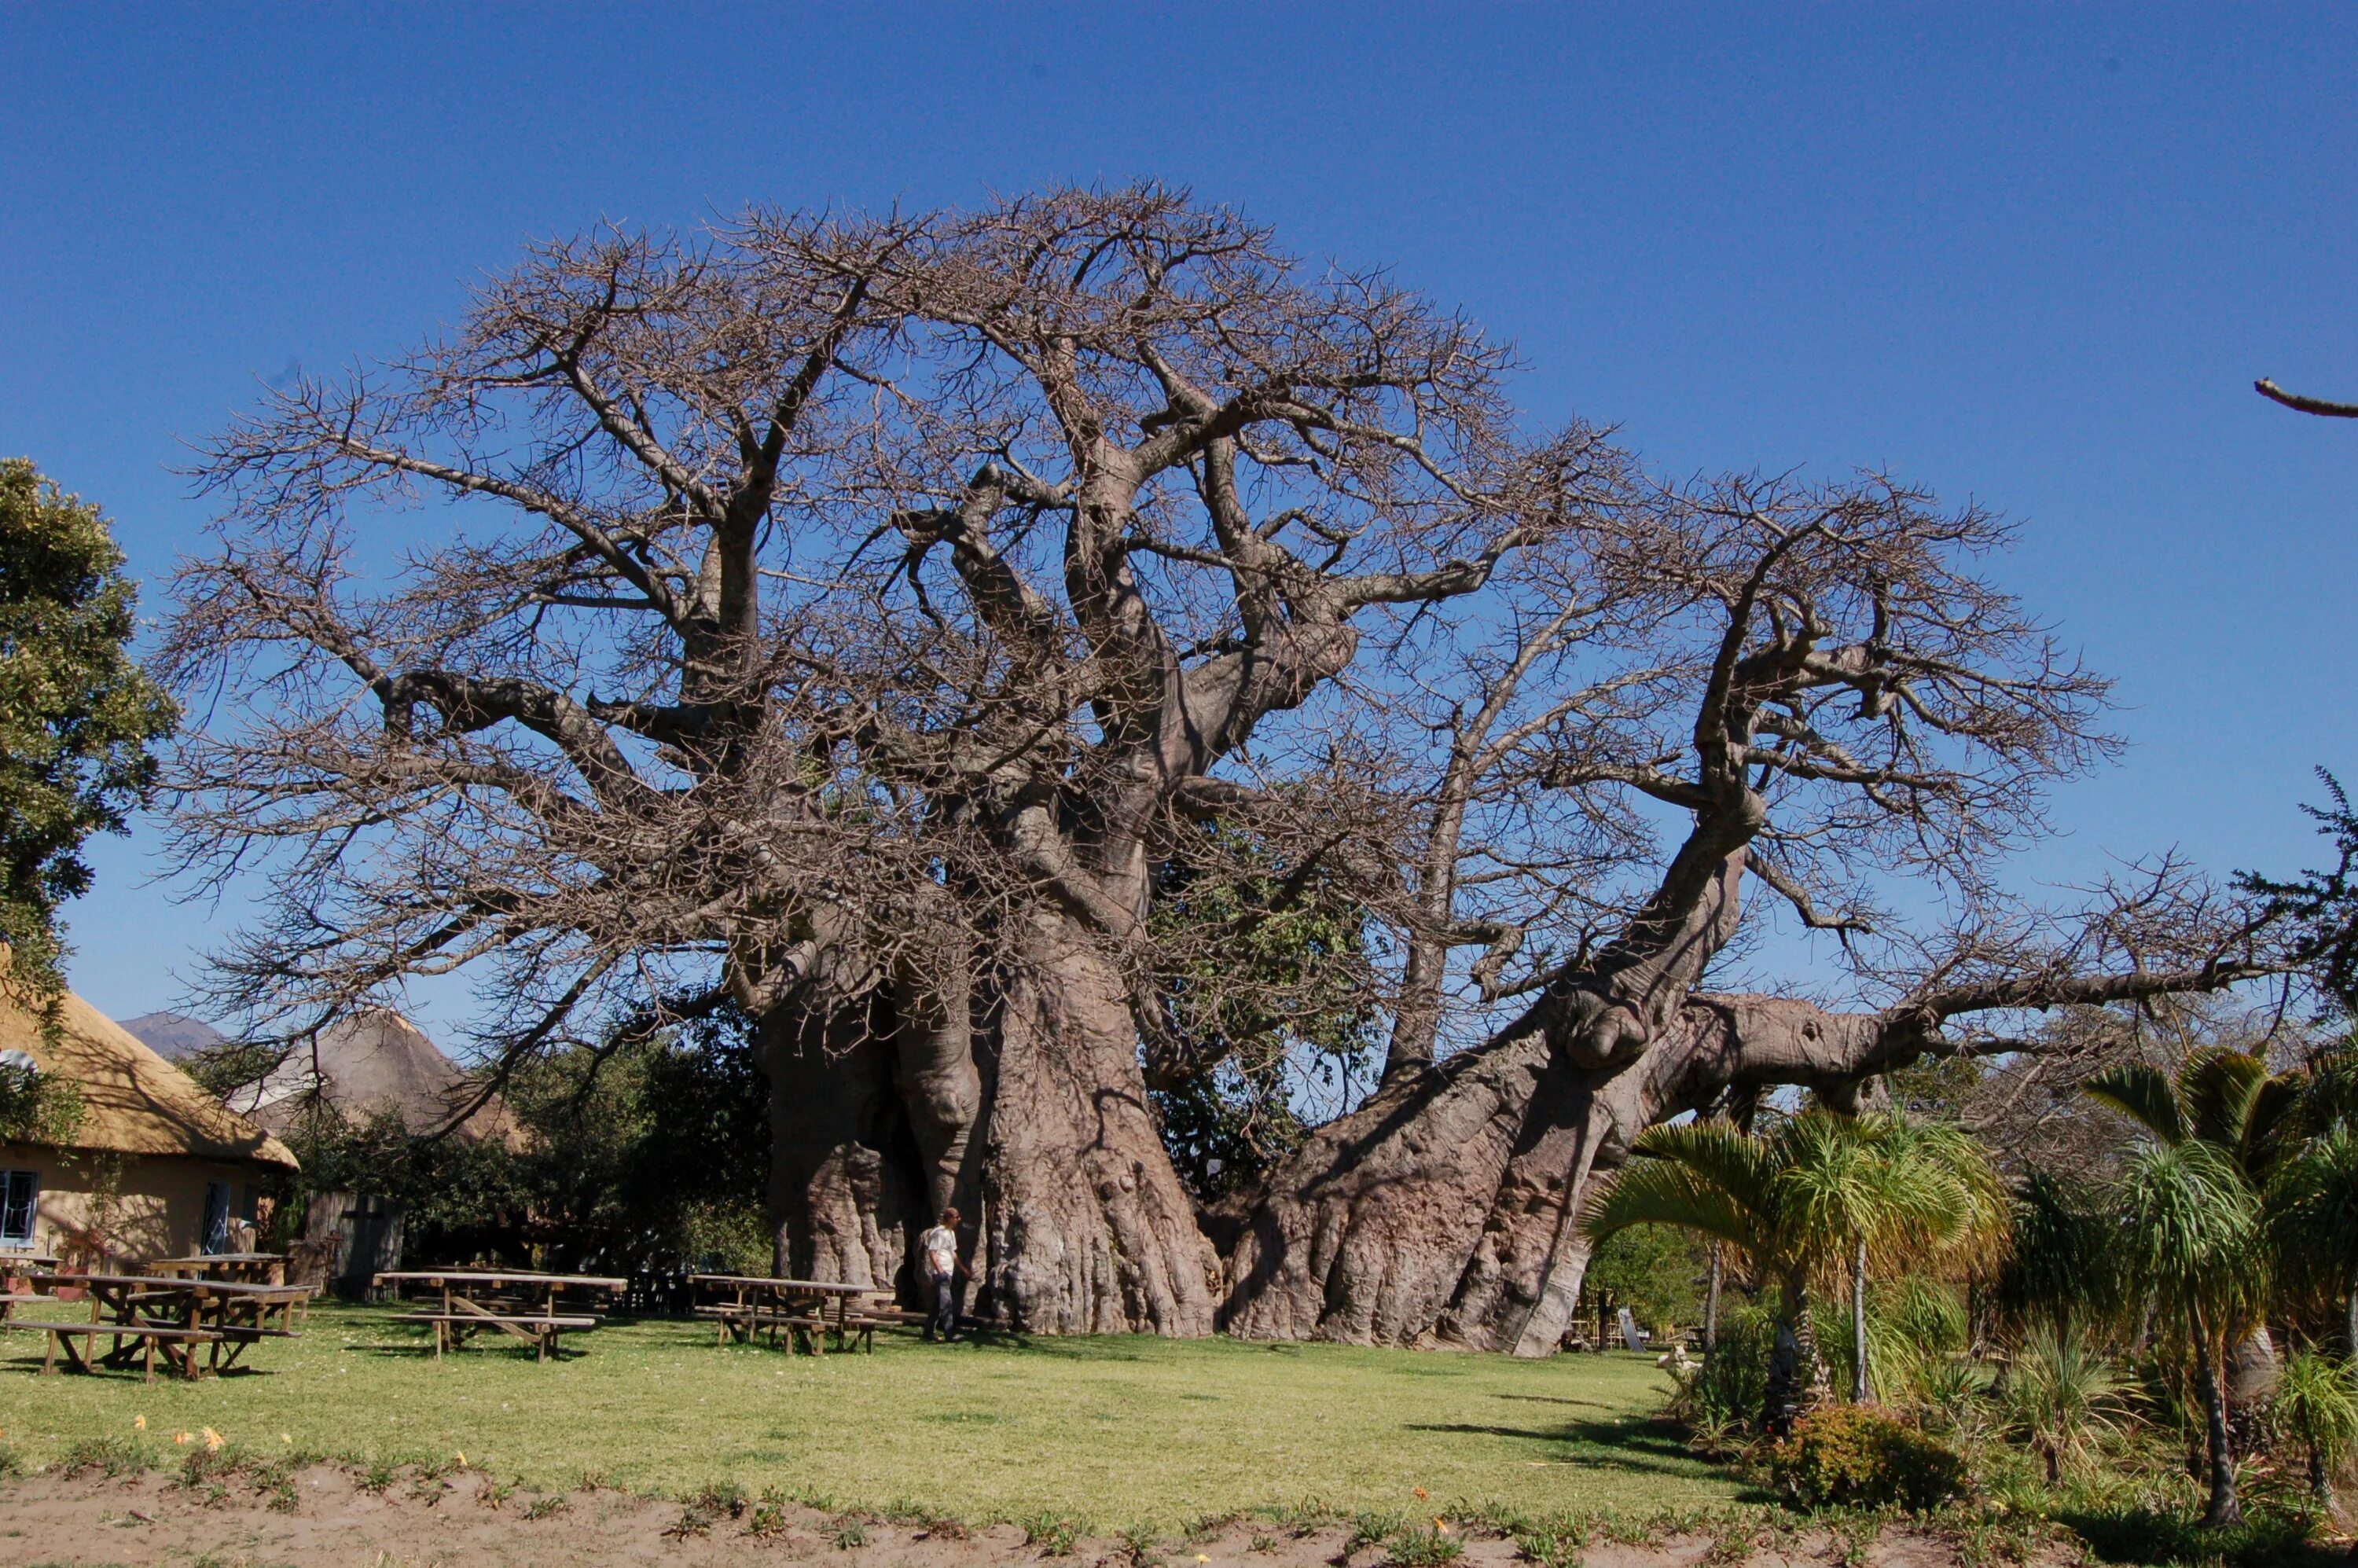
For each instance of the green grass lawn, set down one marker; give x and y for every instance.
(1113, 1431)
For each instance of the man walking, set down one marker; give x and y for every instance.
(940, 1248)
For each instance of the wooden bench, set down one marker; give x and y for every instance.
(540, 1330)
(62, 1335)
(881, 1309)
(802, 1326)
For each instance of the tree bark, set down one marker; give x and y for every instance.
(2225, 1507)
(1368, 1233)
(936, 1075)
(1793, 1351)
(2251, 1377)
(1711, 1302)
(1859, 1326)
(847, 1187)
(1089, 1227)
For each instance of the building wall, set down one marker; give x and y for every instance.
(158, 1200)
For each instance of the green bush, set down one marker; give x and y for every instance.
(1858, 1456)
(1726, 1391)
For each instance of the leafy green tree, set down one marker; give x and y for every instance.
(2195, 1237)
(2313, 1222)
(77, 715)
(1264, 989)
(1795, 1202)
(2067, 1267)
(2255, 1121)
(1652, 1270)
(2323, 902)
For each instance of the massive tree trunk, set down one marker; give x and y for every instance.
(1446, 1210)
(1088, 1229)
(847, 1188)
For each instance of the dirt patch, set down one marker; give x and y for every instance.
(322, 1515)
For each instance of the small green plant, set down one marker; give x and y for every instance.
(1372, 1529)
(274, 1479)
(1858, 1456)
(1552, 1546)
(1722, 1394)
(719, 1497)
(1263, 1543)
(707, 1507)
(379, 1475)
(1052, 1535)
(1145, 1548)
(1429, 1547)
(111, 1457)
(494, 1494)
(2061, 1397)
(2316, 1409)
(847, 1534)
(768, 1519)
(545, 1506)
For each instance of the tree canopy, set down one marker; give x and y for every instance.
(77, 714)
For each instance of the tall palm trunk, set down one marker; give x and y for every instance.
(1711, 1304)
(1859, 1326)
(1790, 1360)
(2225, 1507)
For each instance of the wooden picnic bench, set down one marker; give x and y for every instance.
(807, 1311)
(143, 1313)
(476, 1300)
(245, 1268)
(143, 1337)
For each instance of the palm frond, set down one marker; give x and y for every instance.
(2145, 1096)
(2216, 1089)
(1662, 1192)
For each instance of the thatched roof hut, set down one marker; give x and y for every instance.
(376, 1062)
(134, 1101)
(150, 1166)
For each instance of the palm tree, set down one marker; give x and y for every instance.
(2195, 1234)
(1811, 1201)
(2313, 1221)
(2227, 1101)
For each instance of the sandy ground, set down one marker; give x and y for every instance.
(334, 1519)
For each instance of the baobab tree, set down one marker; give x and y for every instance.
(852, 620)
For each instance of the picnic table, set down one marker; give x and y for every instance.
(142, 1314)
(521, 1304)
(804, 1310)
(249, 1268)
(18, 1268)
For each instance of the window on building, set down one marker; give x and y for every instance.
(214, 1234)
(18, 1191)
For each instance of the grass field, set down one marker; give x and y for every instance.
(1112, 1431)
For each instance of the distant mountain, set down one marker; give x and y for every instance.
(172, 1036)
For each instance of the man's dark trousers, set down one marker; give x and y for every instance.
(944, 1307)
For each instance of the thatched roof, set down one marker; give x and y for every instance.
(134, 1101)
(375, 1063)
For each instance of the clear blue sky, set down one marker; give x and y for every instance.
(2033, 256)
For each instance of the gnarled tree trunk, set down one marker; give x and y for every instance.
(1088, 1229)
(847, 1189)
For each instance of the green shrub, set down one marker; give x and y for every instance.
(1858, 1456)
(1727, 1388)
